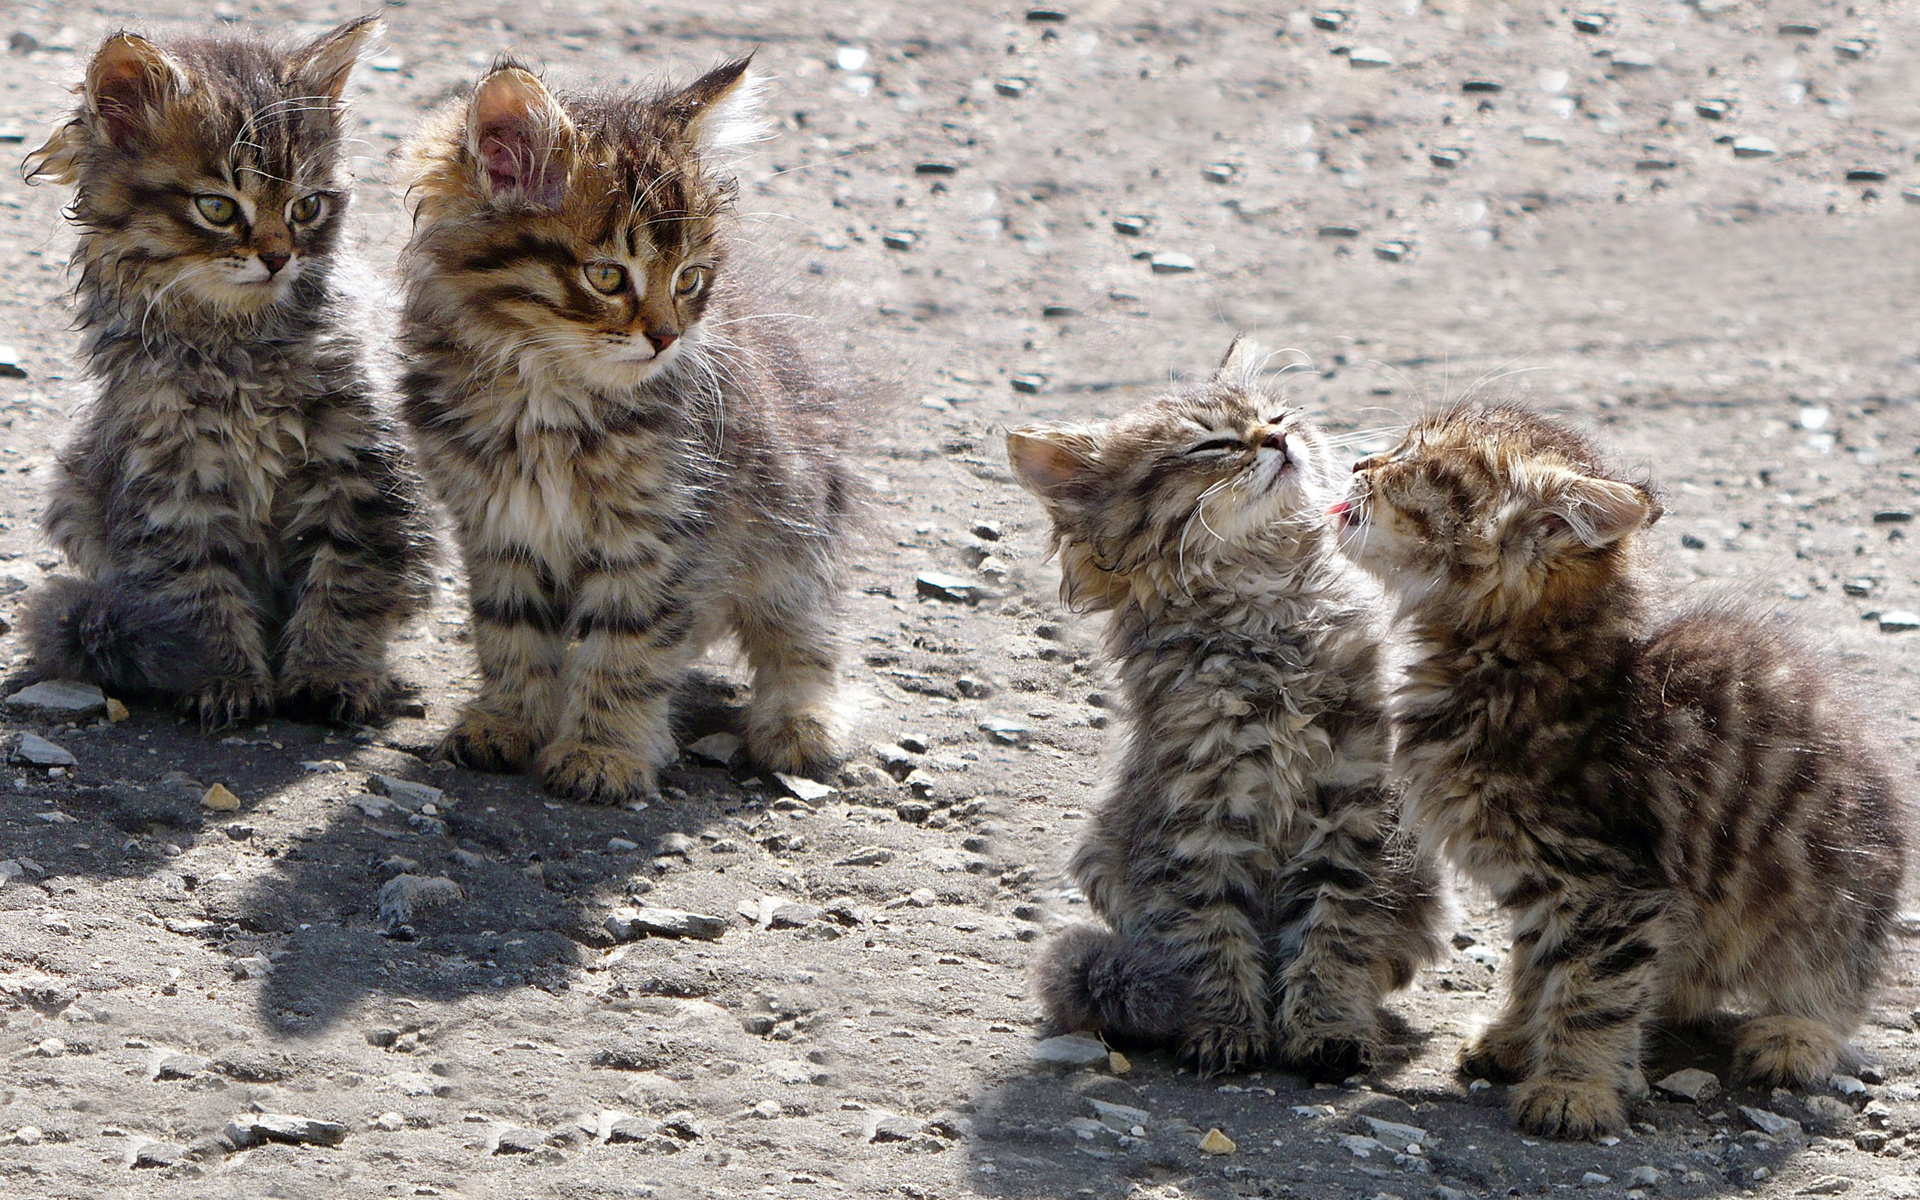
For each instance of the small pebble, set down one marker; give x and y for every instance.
(899, 239)
(1690, 1084)
(1481, 86)
(1713, 110)
(1215, 1142)
(1595, 1179)
(1754, 147)
(937, 585)
(1447, 158)
(1011, 87)
(1369, 58)
(867, 856)
(219, 799)
(1073, 1050)
(630, 924)
(32, 750)
(1165, 263)
(1866, 175)
(1901, 621)
(1219, 172)
(1131, 226)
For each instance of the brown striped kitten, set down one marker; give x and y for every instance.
(1257, 901)
(638, 460)
(246, 525)
(1677, 812)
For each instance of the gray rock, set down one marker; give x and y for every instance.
(719, 749)
(251, 1129)
(1829, 1115)
(1447, 157)
(1691, 1084)
(1393, 1133)
(1595, 1179)
(180, 1066)
(630, 924)
(1010, 87)
(1827, 1185)
(1005, 732)
(158, 1154)
(899, 239)
(1120, 1116)
(519, 1140)
(405, 898)
(1754, 147)
(35, 751)
(788, 914)
(1890, 622)
(675, 843)
(1892, 516)
(1393, 251)
(1168, 263)
(866, 856)
(1848, 1085)
(632, 1129)
(63, 698)
(406, 793)
(1131, 226)
(802, 788)
(1028, 383)
(1070, 1050)
(896, 1129)
(1648, 1176)
(1770, 1123)
(935, 585)
(10, 367)
(1369, 58)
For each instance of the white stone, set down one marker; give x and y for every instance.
(1072, 1050)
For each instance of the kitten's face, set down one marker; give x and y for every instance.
(1217, 472)
(1489, 512)
(583, 235)
(209, 173)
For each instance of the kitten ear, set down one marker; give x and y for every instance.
(1242, 363)
(323, 66)
(1049, 462)
(128, 82)
(721, 109)
(1599, 512)
(516, 131)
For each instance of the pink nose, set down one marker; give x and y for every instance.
(274, 260)
(661, 339)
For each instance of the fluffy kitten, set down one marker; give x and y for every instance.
(247, 527)
(1675, 812)
(1244, 856)
(638, 460)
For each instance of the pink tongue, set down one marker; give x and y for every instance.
(1340, 509)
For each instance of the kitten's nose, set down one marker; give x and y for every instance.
(273, 260)
(1277, 440)
(661, 339)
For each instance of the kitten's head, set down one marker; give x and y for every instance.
(207, 172)
(582, 234)
(1493, 515)
(1170, 493)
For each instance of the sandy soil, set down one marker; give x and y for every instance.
(1740, 325)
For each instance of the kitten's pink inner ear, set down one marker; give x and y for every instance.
(514, 127)
(1043, 465)
(1602, 511)
(128, 76)
(323, 66)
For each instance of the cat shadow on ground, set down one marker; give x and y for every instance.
(1405, 1129)
(529, 880)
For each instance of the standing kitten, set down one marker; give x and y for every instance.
(638, 461)
(1244, 856)
(1675, 812)
(246, 525)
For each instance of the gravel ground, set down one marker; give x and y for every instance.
(341, 985)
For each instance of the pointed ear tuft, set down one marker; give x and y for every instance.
(517, 134)
(1242, 364)
(127, 82)
(1052, 463)
(322, 66)
(721, 109)
(59, 158)
(1599, 512)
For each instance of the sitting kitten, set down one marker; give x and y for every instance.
(1244, 857)
(638, 461)
(1676, 812)
(247, 528)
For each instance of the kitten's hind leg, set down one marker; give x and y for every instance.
(1795, 1051)
(788, 632)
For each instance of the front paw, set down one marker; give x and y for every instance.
(1497, 1054)
(1562, 1108)
(487, 741)
(795, 742)
(1329, 1056)
(1224, 1048)
(341, 700)
(230, 699)
(597, 774)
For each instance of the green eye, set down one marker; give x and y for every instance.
(606, 277)
(305, 209)
(690, 282)
(218, 210)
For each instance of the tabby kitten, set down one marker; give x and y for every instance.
(1244, 858)
(638, 460)
(246, 526)
(1675, 811)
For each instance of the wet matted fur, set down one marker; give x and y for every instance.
(639, 459)
(246, 524)
(1676, 812)
(1257, 899)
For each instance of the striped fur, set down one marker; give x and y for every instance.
(1244, 859)
(247, 527)
(1676, 812)
(638, 460)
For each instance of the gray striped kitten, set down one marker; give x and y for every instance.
(638, 460)
(246, 525)
(1258, 901)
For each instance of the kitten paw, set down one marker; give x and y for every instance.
(485, 741)
(1497, 1055)
(1775, 1051)
(1322, 1057)
(1223, 1049)
(230, 699)
(596, 774)
(342, 701)
(795, 742)
(1562, 1108)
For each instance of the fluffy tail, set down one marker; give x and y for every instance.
(111, 633)
(1129, 990)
